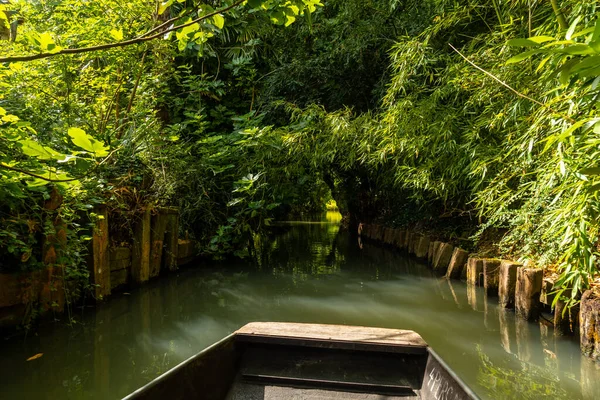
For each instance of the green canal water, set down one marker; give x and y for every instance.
(312, 272)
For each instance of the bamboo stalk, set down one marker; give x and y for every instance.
(562, 21)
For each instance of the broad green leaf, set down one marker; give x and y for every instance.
(34, 149)
(219, 21)
(88, 143)
(590, 171)
(541, 39)
(117, 34)
(289, 20)
(278, 17)
(588, 62)
(45, 40)
(590, 72)
(255, 3)
(522, 43)
(542, 63)
(596, 35)
(578, 49)
(583, 32)
(522, 56)
(9, 118)
(163, 6)
(565, 70)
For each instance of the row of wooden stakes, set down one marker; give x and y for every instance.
(517, 287)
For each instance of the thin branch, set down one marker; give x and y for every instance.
(8, 167)
(125, 43)
(166, 23)
(506, 85)
(35, 175)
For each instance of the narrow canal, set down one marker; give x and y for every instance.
(312, 272)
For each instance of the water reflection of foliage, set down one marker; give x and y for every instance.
(533, 382)
(307, 250)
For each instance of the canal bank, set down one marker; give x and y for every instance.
(312, 272)
(526, 290)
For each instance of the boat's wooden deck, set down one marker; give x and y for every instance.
(334, 336)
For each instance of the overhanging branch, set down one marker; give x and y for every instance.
(141, 39)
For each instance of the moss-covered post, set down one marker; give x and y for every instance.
(508, 283)
(589, 317)
(172, 240)
(442, 259)
(474, 271)
(422, 247)
(527, 293)
(433, 251)
(491, 276)
(140, 258)
(157, 240)
(457, 263)
(100, 271)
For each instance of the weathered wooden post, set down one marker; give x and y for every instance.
(422, 247)
(527, 293)
(100, 271)
(457, 263)
(442, 258)
(491, 275)
(547, 295)
(157, 238)
(474, 271)
(140, 258)
(589, 317)
(508, 283)
(50, 281)
(400, 238)
(172, 240)
(120, 266)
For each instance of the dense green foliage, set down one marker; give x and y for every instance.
(469, 128)
(408, 110)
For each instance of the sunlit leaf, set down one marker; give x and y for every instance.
(87, 142)
(219, 21)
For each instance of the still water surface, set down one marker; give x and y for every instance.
(313, 272)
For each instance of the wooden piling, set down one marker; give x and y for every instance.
(407, 234)
(140, 258)
(457, 263)
(171, 240)
(527, 293)
(157, 239)
(442, 259)
(422, 247)
(430, 251)
(434, 250)
(589, 318)
(507, 283)
(547, 295)
(475, 271)
(100, 268)
(562, 319)
(491, 276)
(400, 238)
